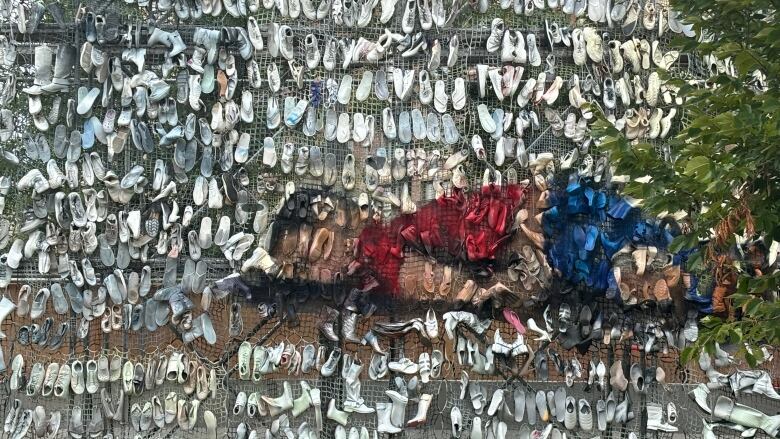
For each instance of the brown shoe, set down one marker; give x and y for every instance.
(287, 271)
(466, 293)
(321, 245)
(445, 288)
(536, 237)
(354, 216)
(719, 299)
(410, 284)
(289, 241)
(342, 208)
(647, 292)
(661, 291)
(686, 279)
(222, 81)
(627, 294)
(304, 236)
(672, 275)
(498, 295)
(429, 278)
(521, 222)
(479, 297)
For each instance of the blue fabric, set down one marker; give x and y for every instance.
(619, 210)
(88, 136)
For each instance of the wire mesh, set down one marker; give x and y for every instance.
(268, 185)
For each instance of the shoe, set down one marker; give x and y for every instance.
(494, 40)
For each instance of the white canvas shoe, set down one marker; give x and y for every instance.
(425, 89)
(409, 19)
(534, 57)
(494, 40)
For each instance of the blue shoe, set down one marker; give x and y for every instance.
(600, 200)
(552, 214)
(575, 204)
(574, 183)
(621, 208)
(589, 194)
(701, 300)
(611, 247)
(599, 275)
(668, 237)
(591, 236)
(578, 236)
(554, 198)
(568, 265)
(694, 295)
(612, 286)
(88, 136)
(640, 232)
(582, 272)
(580, 241)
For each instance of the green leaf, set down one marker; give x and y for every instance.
(751, 359)
(687, 355)
(753, 307)
(697, 165)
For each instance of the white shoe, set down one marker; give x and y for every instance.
(409, 19)
(496, 34)
(534, 58)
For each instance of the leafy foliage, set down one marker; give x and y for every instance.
(723, 169)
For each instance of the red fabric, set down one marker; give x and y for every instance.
(471, 226)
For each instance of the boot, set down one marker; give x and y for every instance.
(422, 411)
(353, 300)
(348, 323)
(303, 402)
(260, 257)
(316, 403)
(763, 385)
(655, 419)
(34, 18)
(616, 377)
(63, 66)
(371, 339)
(727, 409)
(177, 44)
(6, 308)
(337, 415)
(278, 405)
(354, 403)
(384, 425)
(398, 411)
(208, 38)
(159, 36)
(43, 69)
(55, 9)
(328, 317)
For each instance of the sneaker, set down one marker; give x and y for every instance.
(496, 33)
